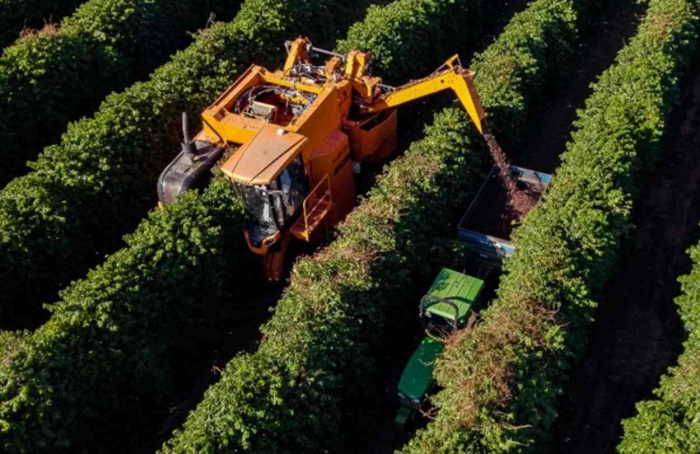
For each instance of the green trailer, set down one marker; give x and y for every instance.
(445, 308)
(485, 231)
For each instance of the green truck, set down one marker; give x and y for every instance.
(485, 230)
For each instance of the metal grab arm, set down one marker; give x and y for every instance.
(297, 51)
(449, 76)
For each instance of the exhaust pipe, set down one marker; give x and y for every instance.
(187, 146)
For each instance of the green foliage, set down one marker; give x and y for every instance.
(413, 37)
(99, 373)
(16, 15)
(501, 380)
(10, 342)
(312, 378)
(97, 184)
(316, 358)
(516, 69)
(57, 75)
(669, 424)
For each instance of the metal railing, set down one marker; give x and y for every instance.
(318, 201)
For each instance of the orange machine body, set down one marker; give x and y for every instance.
(324, 136)
(300, 129)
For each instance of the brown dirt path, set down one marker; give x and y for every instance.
(636, 335)
(545, 142)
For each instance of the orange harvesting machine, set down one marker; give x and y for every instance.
(300, 132)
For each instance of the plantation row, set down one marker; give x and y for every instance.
(669, 423)
(57, 75)
(312, 382)
(138, 319)
(410, 38)
(85, 193)
(85, 321)
(15, 15)
(501, 380)
(99, 373)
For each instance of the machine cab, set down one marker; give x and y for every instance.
(446, 307)
(278, 120)
(269, 177)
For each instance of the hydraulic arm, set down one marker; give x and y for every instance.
(450, 76)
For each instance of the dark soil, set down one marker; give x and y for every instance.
(244, 336)
(637, 333)
(554, 123)
(493, 215)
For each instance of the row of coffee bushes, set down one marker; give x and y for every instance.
(669, 423)
(163, 268)
(17, 15)
(97, 376)
(85, 193)
(61, 73)
(502, 379)
(410, 38)
(54, 356)
(9, 344)
(307, 388)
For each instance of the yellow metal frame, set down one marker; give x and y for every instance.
(455, 78)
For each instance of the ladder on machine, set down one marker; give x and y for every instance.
(315, 209)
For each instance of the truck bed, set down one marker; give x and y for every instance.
(488, 222)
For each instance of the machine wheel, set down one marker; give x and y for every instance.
(391, 390)
(273, 262)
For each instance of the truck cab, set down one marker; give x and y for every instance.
(446, 307)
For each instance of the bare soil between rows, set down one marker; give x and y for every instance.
(554, 123)
(637, 333)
